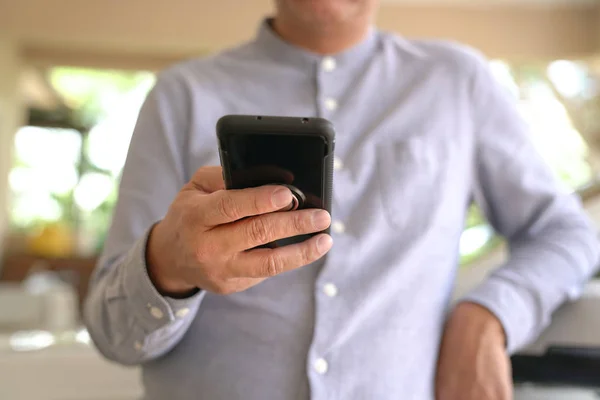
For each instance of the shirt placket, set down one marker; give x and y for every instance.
(323, 371)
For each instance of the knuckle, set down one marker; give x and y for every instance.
(199, 174)
(201, 254)
(227, 207)
(273, 265)
(205, 251)
(298, 223)
(223, 289)
(257, 204)
(258, 231)
(218, 283)
(307, 254)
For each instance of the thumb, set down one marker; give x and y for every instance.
(207, 180)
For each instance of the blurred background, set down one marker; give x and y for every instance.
(73, 75)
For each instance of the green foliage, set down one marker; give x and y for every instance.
(87, 91)
(474, 217)
(493, 243)
(93, 95)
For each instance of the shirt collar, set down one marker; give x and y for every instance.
(274, 46)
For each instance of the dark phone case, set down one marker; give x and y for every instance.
(251, 124)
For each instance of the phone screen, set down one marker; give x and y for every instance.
(262, 159)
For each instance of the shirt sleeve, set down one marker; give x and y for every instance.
(553, 246)
(128, 320)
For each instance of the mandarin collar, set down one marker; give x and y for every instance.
(278, 49)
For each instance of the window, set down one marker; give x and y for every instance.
(561, 103)
(67, 177)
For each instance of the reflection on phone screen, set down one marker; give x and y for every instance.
(262, 159)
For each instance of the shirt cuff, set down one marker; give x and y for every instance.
(514, 307)
(153, 310)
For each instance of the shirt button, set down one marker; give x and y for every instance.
(156, 312)
(330, 290)
(338, 227)
(331, 104)
(328, 64)
(321, 366)
(337, 164)
(182, 313)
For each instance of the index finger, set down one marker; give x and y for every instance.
(207, 179)
(265, 263)
(226, 206)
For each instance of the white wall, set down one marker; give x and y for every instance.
(11, 117)
(156, 32)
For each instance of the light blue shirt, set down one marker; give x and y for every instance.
(422, 130)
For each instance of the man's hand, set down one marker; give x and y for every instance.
(473, 363)
(208, 237)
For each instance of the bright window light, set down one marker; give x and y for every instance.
(473, 239)
(35, 206)
(502, 71)
(31, 340)
(568, 78)
(57, 179)
(83, 336)
(93, 189)
(41, 147)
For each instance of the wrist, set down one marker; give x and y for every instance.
(161, 269)
(480, 320)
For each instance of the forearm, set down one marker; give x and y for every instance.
(128, 320)
(543, 271)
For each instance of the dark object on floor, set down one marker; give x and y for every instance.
(566, 366)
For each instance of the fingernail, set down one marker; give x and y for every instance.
(324, 243)
(321, 219)
(281, 197)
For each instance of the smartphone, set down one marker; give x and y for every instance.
(271, 150)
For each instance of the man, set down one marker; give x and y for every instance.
(422, 129)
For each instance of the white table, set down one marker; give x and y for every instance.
(64, 371)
